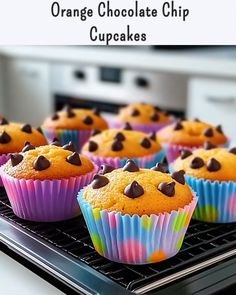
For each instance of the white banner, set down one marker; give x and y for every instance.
(117, 22)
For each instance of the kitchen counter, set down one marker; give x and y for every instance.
(215, 62)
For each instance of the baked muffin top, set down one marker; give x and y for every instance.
(142, 114)
(14, 135)
(121, 143)
(131, 190)
(210, 163)
(48, 162)
(192, 133)
(79, 119)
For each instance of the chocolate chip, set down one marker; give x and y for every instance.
(160, 167)
(69, 147)
(41, 163)
(117, 146)
(4, 121)
(88, 120)
(28, 146)
(155, 117)
(179, 176)
(135, 113)
(219, 129)
(69, 112)
(130, 166)
(167, 188)
(55, 117)
(55, 142)
(153, 136)
(196, 163)
(213, 165)
(92, 146)
(145, 142)
(106, 169)
(178, 125)
(127, 126)
(5, 137)
(209, 146)
(119, 136)
(96, 111)
(133, 190)
(26, 128)
(232, 150)
(95, 132)
(157, 109)
(74, 159)
(16, 159)
(39, 130)
(196, 120)
(99, 181)
(185, 154)
(208, 132)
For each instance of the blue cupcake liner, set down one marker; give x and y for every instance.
(134, 239)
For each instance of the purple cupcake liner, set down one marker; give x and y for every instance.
(45, 200)
(134, 239)
(3, 159)
(143, 162)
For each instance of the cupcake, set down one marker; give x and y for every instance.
(137, 216)
(142, 117)
(211, 173)
(189, 135)
(42, 183)
(15, 136)
(72, 125)
(114, 146)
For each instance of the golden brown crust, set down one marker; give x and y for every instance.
(192, 134)
(59, 168)
(131, 144)
(77, 122)
(112, 197)
(18, 138)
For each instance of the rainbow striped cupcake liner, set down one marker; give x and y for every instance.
(134, 239)
(45, 200)
(143, 162)
(3, 159)
(217, 200)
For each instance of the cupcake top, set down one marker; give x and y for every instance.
(131, 190)
(192, 133)
(210, 163)
(121, 143)
(48, 162)
(13, 136)
(142, 114)
(79, 119)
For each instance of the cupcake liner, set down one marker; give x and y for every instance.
(78, 137)
(134, 239)
(3, 159)
(217, 200)
(143, 162)
(45, 200)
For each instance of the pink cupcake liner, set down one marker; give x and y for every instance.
(3, 159)
(45, 200)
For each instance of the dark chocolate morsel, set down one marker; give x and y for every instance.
(133, 190)
(213, 165)
(74, 159)
(4, 121)
(157, 109)
(39, 130)
(96, 111)
(167, 188)
(130, 166)
(99, 181)
(55, 117)
(69, 112)
(196, 120)
(92, 146)
(55, 142)
(5, 137)
(178, 125)
(160, 167)
(69, 147)
(145, 142)
(232, 150)
(127, 126)
(26, 128)
(185, 154)
(106, 169)
(41, 163)
(208, 132)
(16, 159)
(153, 136)
(66, 108)
(95, 132)
(219, 129)
(135, 113)
(28, 146)
(154, 117)
(88, 120)
(196, 163)
(179, 176)
(117, 146)
(209, 146)
(119, 136)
